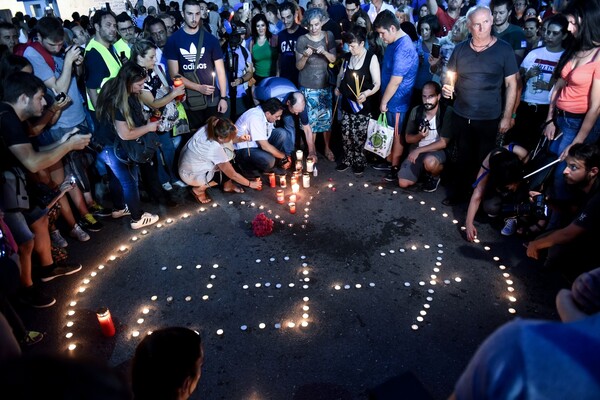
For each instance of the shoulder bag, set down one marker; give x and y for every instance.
(195, 100)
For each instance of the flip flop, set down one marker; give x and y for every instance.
(201, 198)
(330, 156)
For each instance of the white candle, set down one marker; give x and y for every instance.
(309, 165)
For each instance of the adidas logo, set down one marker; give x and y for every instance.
(190, 55)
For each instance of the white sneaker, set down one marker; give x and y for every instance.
(180, 183)
(57, 239)
(120, 213)
(145, 220)
(167, 186)
(79, 234)
(510, 227)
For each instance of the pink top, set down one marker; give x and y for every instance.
(575, 97)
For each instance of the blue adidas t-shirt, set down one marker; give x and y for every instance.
(182, 47)
(400, 59)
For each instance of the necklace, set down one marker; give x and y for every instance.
(356, 60)
(481, 48)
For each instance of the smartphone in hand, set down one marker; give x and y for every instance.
(435, 50)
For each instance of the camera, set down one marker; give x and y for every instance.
(60, 97)
(537, 208)
(424, 124)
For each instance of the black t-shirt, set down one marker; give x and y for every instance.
(106, 133)
(334, 28)
(13, 133)
(337, 12)
(589, 216)
(287, 53)
(480, 79)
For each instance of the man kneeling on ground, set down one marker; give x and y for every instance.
(427, 142)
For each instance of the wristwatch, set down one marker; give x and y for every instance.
(225, 98)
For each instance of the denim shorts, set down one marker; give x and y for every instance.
(19, 223)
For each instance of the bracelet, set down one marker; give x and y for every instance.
(514, 115)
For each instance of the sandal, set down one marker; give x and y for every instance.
(201, 197)
(329, 155)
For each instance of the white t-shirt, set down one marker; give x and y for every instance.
(546, 61)
(372, 11)
(254, 123)
(432, 135)
(200, 156)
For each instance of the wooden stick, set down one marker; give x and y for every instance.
(335, 108)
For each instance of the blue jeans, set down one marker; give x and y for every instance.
(289, 130)
(569, 128)
(261, 160)
(166, 158)
(123, 182)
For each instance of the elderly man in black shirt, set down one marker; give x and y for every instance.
(479, 70)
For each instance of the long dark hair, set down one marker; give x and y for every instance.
(255, 20)
(586, 15)
(114, 95)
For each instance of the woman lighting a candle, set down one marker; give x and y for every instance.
(358, 82)
(209, 151)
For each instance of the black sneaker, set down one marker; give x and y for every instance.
(98, 211)
(358, 170)
(431, 184)
(46, 274)
(34, 297)
(341, 167)
(31, 338)
(392, 176)
(90, 223)
(384, 166)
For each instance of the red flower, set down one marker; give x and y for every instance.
(262, 226)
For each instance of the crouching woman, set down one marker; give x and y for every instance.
(205, 160)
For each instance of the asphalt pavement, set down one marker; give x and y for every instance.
(367, 289)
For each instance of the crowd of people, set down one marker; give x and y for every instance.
(196, 95)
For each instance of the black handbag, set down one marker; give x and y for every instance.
(139, 151)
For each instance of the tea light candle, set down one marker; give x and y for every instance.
(295, 188)
(292, 208)
(299, 165)
(293, 198)
(306, 180)
(280, 196)
(106, 323)
(309, 165)
(299, 155)
(282, 181)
